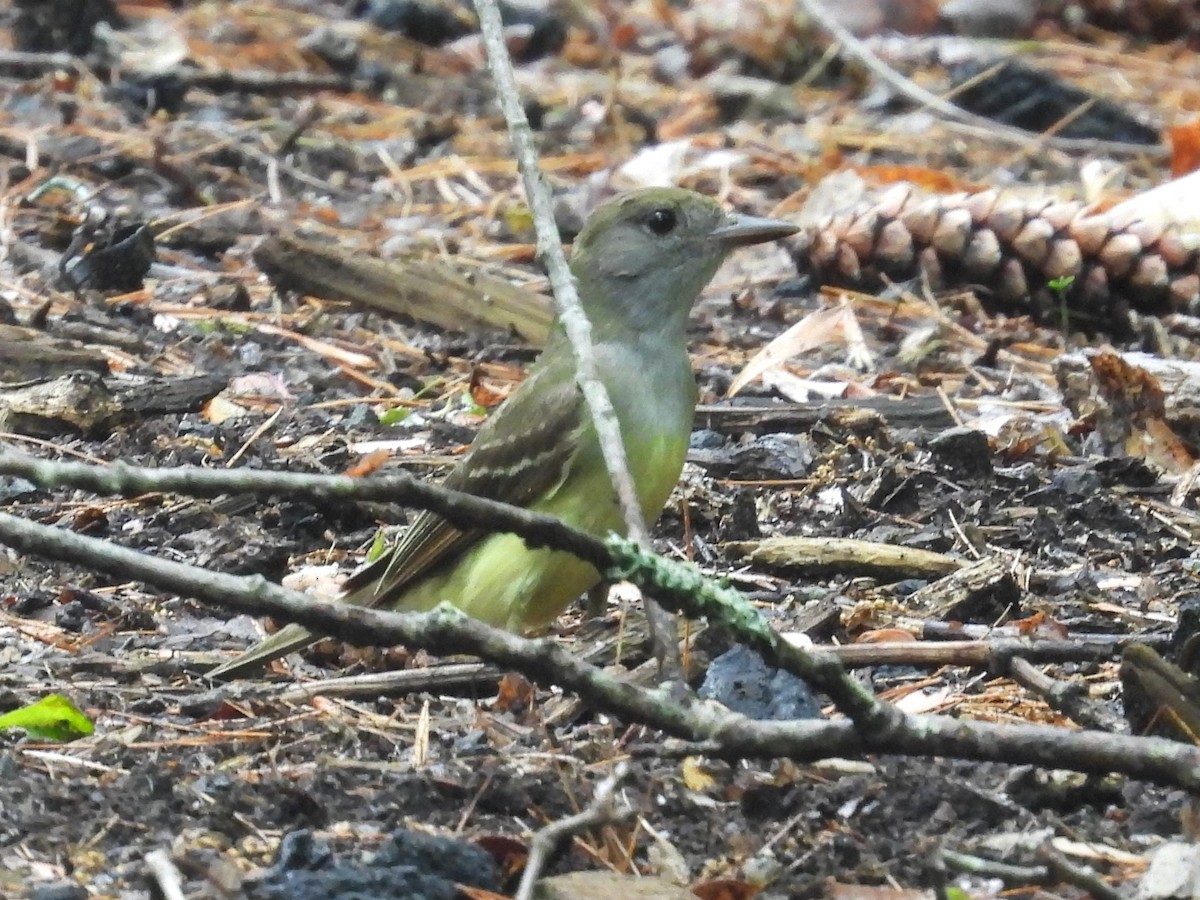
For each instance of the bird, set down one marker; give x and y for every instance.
(640, 262)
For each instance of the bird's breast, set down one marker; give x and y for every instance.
(653, 392)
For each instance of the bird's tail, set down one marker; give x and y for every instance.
(281, 643)
(362, 589)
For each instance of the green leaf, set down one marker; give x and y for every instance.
(237, 326)
(1062, 284)
(394, 416)
(467, 402)
(53, 718)
(378, 546)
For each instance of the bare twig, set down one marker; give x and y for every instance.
(570, 311)
(435, 679)
(993, 130)
(618, 558)
(712, 730)
(1068, 697)
(601, 811)
(679, 585)
(166, 876)
(444, 631)
(1082, 877)
(1011, 874)
(25, 63)
(432, 679)
(995, 654)
(459, 509)
(549, 251)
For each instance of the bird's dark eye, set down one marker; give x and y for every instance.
(661, 221)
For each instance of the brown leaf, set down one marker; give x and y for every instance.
(930, 179)
(509, 853)
(885, 635)
(88, 519)
(1040, 625)
(486, 392)
(516, 693)
(1135, 413)
(368, 464)
(1185, 147)
(725, 889)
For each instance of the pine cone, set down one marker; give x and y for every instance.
(1010, 251)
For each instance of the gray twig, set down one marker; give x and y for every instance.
(861, 53)
(714, 730)
(570, 311)
(601, 811)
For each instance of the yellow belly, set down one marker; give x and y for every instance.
(503, 582)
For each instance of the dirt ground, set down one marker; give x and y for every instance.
(271, 117)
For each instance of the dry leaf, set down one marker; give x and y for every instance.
(509, 853)
(694, 775)
(219, 409)
(1133, 414)
(368, 464)
(515, 693)
(725, 889)
(935, 180)
(1040, 625)
(886, 636)
(486, 392)
(927, 701)
(1185, 148)
(830, 325)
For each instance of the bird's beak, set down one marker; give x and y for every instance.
(739, 231)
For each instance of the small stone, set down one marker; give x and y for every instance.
(671, 64)
(63, 890)
(966, 450)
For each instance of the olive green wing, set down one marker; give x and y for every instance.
(521, 454)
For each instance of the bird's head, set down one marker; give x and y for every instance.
(643, 257)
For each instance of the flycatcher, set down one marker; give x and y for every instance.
(640, 262)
